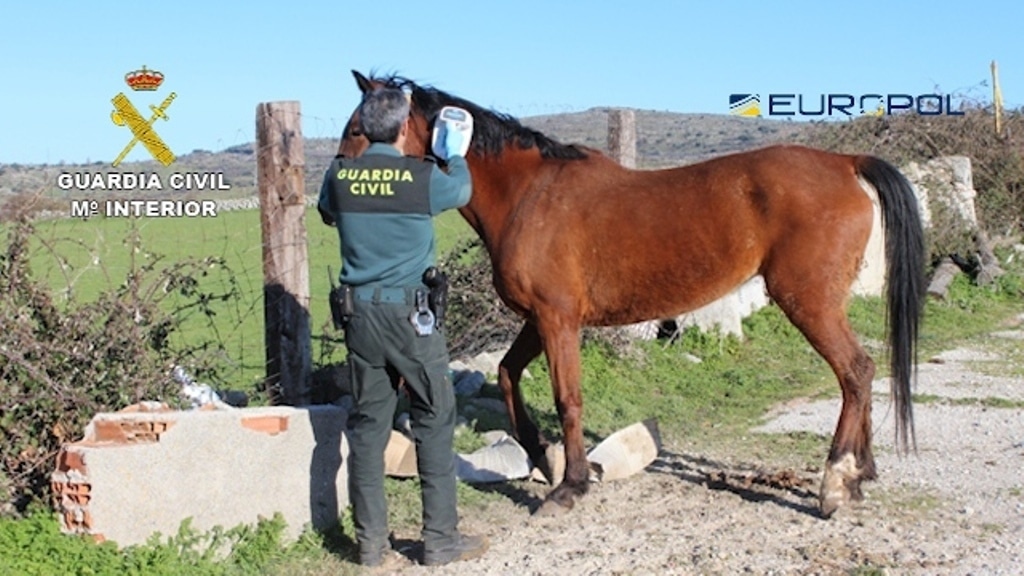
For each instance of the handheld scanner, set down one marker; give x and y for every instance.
(451, 118)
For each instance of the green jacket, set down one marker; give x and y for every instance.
(382, 204)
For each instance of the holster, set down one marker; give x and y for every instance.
(340, 300)
(437, 298)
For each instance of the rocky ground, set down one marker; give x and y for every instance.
(956, 507)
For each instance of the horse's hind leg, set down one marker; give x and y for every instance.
(816, 304)
(850, 459)
(524, 349)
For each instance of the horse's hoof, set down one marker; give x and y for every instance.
(828, 506)
(836, 485)
(550, 509)
(833, 496)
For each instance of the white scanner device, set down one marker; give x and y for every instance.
(452, 118)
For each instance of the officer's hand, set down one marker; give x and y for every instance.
(452, 142)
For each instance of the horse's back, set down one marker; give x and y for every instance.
(630, 245)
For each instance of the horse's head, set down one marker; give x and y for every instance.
(493, 133)
(417, 141)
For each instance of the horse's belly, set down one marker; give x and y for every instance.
(660, 296)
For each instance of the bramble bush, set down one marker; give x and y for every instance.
(478, 321)
(62, 362)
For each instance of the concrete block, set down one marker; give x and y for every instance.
(647, 330)
(944, 182)
(727, 313)
(142, 472)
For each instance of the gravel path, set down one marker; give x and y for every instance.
(957, 507)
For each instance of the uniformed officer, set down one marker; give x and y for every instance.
(382, 204)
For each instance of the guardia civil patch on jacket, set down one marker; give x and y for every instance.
(378, 183)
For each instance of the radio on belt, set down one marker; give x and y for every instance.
(452, 118)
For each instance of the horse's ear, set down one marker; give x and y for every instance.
(363, 82)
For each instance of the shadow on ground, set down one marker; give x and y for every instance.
(786, 488)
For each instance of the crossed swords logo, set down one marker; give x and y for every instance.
(125, 114)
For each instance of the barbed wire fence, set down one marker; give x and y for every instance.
(81, 254)
(79, 258)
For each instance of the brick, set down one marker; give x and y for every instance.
(267, 424)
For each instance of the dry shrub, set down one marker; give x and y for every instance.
(61, 363)
(18, 207)
(997, 160)
(478, 321)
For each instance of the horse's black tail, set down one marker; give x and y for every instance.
(905, 257)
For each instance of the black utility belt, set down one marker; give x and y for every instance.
(422, 317)
(429, 301)
(406, 295)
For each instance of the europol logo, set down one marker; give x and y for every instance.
(843, 105)
(745, 105)
(125, 114)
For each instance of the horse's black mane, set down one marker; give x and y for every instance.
(492, 131)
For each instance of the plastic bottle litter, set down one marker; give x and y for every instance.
(197, 394)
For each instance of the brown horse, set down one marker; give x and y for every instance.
(577, 240)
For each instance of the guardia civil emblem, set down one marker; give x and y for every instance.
(126, 114)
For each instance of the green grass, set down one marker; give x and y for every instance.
(34, 546)
(986, 402)
(1010, 350)
(715, 401)
(969, 312)
(80, 259)
(920, 502)
(727, 392)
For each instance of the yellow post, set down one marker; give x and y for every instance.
(997, 99)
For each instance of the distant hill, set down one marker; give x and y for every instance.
(663, 139)
(668, 138)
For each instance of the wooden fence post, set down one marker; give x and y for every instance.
(622, 149)
(997, 99)
(280, 173)
(622, 137)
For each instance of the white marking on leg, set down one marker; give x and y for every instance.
(834, 492)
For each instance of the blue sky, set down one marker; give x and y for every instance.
(62, 62)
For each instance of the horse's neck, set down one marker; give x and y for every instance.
(500, 183)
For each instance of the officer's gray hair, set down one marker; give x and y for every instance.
(381, 114)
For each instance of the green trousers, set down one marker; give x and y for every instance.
(382, 345)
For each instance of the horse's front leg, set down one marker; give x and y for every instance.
(524, 349)
(562, 347)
